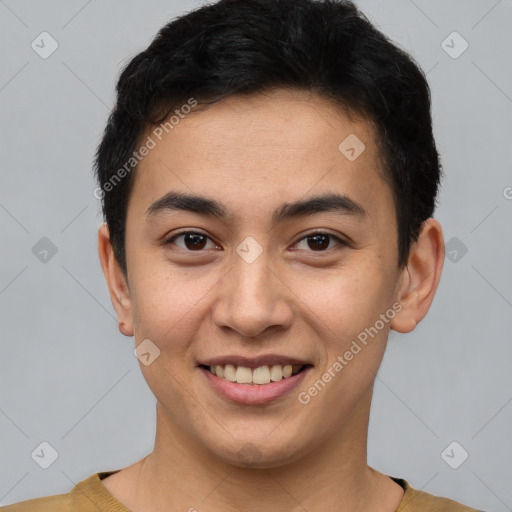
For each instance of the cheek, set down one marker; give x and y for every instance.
(346, 300)
(165, 310)
(353, 305)
(166, 305)
(348, 305)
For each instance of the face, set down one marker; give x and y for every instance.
(247, 280)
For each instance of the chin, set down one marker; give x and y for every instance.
(259, 454)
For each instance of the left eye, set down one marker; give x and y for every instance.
(318, 242)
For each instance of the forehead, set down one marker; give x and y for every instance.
(253, 152)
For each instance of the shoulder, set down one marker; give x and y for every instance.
(420, 501)
(56, 503)
(89, 495)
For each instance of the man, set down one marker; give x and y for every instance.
(268, 178)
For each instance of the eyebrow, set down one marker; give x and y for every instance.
(331, 202)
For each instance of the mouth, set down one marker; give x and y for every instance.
(255, 376)
(252, 381)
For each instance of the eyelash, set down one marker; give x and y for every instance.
(340, 241)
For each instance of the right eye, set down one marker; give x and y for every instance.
(193, 241)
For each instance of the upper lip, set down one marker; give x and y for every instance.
(253, 362)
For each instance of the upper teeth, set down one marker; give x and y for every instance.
(261, 375)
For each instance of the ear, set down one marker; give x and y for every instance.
(116, 282)
(420, 278)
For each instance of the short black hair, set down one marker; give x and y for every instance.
(253, 46)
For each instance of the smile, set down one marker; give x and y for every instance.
(262, 375)
(257, 385)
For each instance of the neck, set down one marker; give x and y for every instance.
(180, 475)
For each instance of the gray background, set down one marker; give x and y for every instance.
(68, 377)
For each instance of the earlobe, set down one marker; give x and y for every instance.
(116, 281)
(419, 280)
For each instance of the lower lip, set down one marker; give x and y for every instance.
(255, 393)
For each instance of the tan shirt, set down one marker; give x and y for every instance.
(90, 495)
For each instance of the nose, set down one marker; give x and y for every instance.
(253, 297)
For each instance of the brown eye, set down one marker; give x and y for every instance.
(192, 241)
(319, 242)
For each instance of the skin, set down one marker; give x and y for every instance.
(253, 154)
